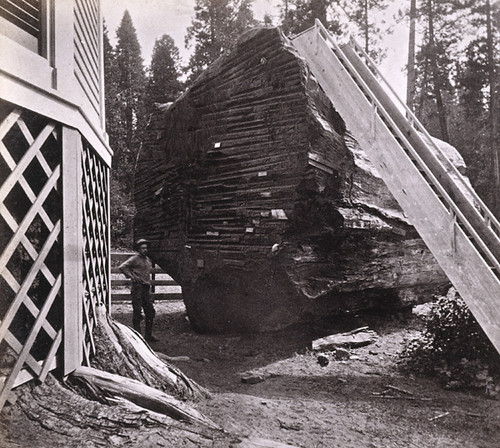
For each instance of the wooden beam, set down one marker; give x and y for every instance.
(54, 105)
(72, 248)
(123, 297)
(461, 261)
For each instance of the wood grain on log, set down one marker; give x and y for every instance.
(108, 384)
(253, 156)
(123, 351)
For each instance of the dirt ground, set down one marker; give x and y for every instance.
(303, 404)
(363, 401)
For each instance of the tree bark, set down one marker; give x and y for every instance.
(410, 80)
(122, 351)
(367, 40)
(493, 123)
(105, 385)
(435, 75)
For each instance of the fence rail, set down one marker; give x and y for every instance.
(163, 287)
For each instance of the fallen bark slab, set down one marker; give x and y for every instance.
(57, 414)
(252, 379)
(356, 338)
(256, 442)
(105, 384)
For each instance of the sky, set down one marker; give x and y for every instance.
(153, 18)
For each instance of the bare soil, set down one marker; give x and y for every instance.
(363, 401)
(306, 405)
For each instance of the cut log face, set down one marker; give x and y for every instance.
(262, 206)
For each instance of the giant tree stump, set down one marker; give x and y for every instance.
(263, 207)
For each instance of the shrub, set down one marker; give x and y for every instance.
(454, 347)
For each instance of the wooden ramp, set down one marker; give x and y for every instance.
(458, 228)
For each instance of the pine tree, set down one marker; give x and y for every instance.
(131, 80)
(493, 103)
(111, 90)
(125, 81)
(434, 94)
(164, 72)
(335, 15)
(410, 67)
(213, 30)
(361, 12)
(299, 15)
(468, 119)
(121, 208)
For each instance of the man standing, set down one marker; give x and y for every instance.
(138, 268)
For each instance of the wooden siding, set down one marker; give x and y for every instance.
(61, 77)
(87, 50)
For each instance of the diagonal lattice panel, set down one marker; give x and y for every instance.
(29, 326)
(95, 242)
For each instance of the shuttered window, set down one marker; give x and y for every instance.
(25, 14)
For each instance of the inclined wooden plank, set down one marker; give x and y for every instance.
(50, 361)
(462, 263)
(441, 168)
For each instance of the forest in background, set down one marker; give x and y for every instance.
(452, 72)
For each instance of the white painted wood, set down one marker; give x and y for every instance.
(26, 375)
(22, 63)
(72, 249)
(460, 260)
(28, 344)
(101, 66)
(63, 35)
(108, 236)
(47, 84)
(50, 103)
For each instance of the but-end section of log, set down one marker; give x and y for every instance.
(105, 385)
(121, 350)
(262, 206)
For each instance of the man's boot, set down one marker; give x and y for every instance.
(137, 327)
(149, 330)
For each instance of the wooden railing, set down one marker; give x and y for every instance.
(163, 287)
(457, 227)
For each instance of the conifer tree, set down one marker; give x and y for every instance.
(299, 15)
(125, 81)
(336, 15)
(362, 13)
(131, 81)
(164, 72)
(213, 30)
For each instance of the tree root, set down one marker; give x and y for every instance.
(123, 351)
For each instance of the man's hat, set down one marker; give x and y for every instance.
(141, 241)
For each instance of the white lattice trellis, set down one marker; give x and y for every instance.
(95, 182)
(28, 331)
